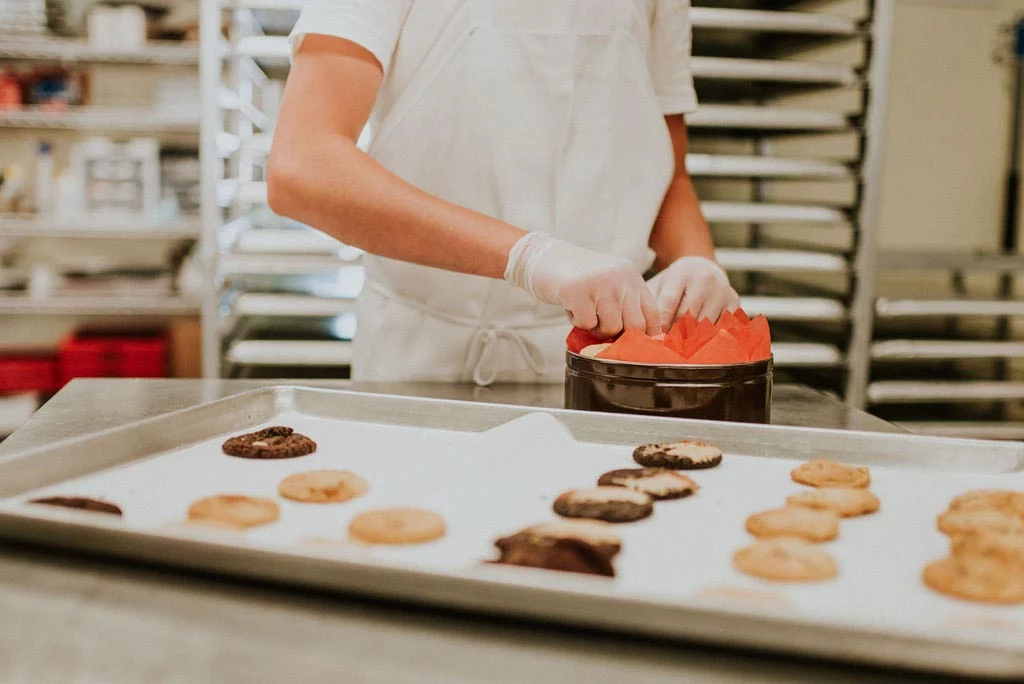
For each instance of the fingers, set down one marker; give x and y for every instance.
(582, 313)
(633, 316)
(609, 316)
(652, 316)
(669, 296)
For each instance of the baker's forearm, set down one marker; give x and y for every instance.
(681, 229)
(335, 187)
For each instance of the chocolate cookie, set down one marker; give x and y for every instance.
(658, 483)
(270, 443)
(822, 472)
(79, 502)
(846, 501)
(683, 455)
(785, 559)
(596, 533)
(805, 523)
(612, 504)
(569, 555)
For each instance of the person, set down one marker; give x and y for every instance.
(526, 162)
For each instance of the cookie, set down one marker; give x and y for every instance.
(397, 526)
(846, 501)
(270, 443)
(597, 533)
(1007, 549)
(974, 581)
(785, 559)
(824, 473)
(234, 510)
(611, 504)
(983, 499)
(960, 522)
(322, 486)
(591, 351)
(658, 483)
(568, 555)
(79, 502)
(796, 521)
(684, 455)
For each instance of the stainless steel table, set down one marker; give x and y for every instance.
(78, 619)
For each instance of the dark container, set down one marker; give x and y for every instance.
(741, 392)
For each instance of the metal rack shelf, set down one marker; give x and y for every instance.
(943, 391)
(806, 23)
(795, 308)
(98, 305)
(766, 120)
(916, 308)
(741, 260)
(910, 350)
(120, 119)
(764, 212)
(28, 226)
(737, 166)
(773, 70)
(297, 305)
(925, 260)
(807, 355)
(53, 49)
(279, 264)
(301, 353)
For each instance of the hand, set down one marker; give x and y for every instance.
(693, 284)
(600, 292)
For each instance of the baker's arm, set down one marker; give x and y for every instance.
(318, 176)
(689, 279)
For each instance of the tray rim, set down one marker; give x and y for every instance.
(63, 529)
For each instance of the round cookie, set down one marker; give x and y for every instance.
(611, 504)
(79, 502)
(1007, 549)
(322, 486)
(683, 455)
(824, 473)
(805, 523)
(234, 510)
(979, 520)
(597, 533)
(270, 443)
(846, 501)
(1005, 500)
(974, 581)
(591, 351)
(785, 559)
(658, 483)
(569, 555)
(397, 526)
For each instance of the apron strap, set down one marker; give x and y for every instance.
(483, 349)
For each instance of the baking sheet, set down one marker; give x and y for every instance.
(493, 470)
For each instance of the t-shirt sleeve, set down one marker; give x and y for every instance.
(671, 43)
(372, 24)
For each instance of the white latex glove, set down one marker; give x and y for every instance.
(600, 292)
(693, 284)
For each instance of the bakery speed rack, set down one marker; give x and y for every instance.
(786, 153)
(750, 63)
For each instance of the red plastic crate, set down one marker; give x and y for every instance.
(106, 355)
(28, 373)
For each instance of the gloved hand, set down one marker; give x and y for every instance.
(693, 284)
(600, 292)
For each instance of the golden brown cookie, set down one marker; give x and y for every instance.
(397, 526)
(234, 510)
(983, 499)
(824, 473)
(595, 532)
(966, 578)
(611, 504)
(974, 521)
(322, 486)
(796, 521)
(990, 547)
(683, 455)
(785, 559)
(658, 483)
(846, 501)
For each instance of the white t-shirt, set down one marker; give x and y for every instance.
(400, 33)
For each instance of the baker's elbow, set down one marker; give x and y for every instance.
(282, 184)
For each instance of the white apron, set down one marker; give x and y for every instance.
(542, 115)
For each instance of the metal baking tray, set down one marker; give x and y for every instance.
(491, 469)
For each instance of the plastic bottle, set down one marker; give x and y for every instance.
(44, 179)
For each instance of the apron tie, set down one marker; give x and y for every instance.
(482, 348)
